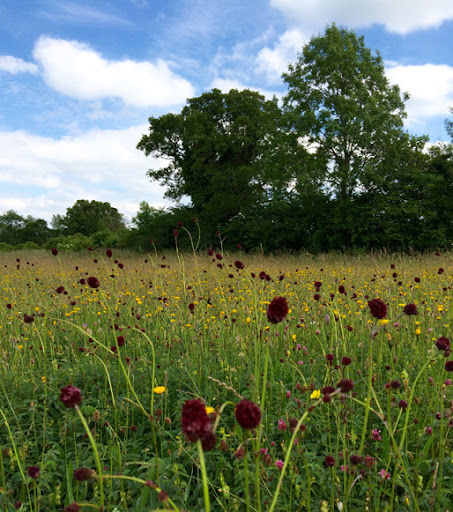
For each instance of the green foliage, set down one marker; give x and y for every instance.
(89, 217)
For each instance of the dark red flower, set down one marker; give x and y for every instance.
(410, 309)
(54, 251)
(402, 404)
(248, 414)
(33, 472)
(395, 384)
(71, 396)
(120, 339)
(109, 252)
(238, 264)
(443, 343)
(327, 390)
(277, 310)
(345, 361)
(316, 296)
(345, 385)
(28, 319)
(162, 496)
(9, 306)
(262, 275)
(329, 358)
(93, 282)
(83, 474)
(219, 256)
(440, 271)
(317, 284)
(191, 307)
(73, 507)
(195, 422)
(329, 461)
(208, 441)
(341, 289)
(378, 308)
(355, 459)
(449, 366)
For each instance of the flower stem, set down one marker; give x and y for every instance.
(204, 476)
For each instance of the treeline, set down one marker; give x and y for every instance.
(330, 167)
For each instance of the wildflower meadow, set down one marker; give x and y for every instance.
(214, 381)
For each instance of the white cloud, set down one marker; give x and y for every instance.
(52, 174)
(225, 84)
(273, 62)
(430, 87)
(14, 65)
(75, 69)
(402, 16)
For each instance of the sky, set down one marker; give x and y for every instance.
(79, 80)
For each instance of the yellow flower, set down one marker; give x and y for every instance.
(159, 390)
(43, 378)
(316, 394)
(209, 410)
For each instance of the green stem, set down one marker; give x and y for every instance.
(96, 454)
(204, 476)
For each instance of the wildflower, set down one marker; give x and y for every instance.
(73, 507)
(316, 394)
(159, 390)
(162, 496)
(329, 358)
(341, 289)
(281, 425)
(355, 459)
(195, 422)
(109, 253)
(238, 264)
(378, 308)
(191, 307)
(346, 385)
(33, 472)
(402, 404)
(329, 461)
(327, 390)
(410, 309)
(248, 414)
(384, 474)
(277, 310)
(429, 430)
(93, 282)
(28, 319)
(443, 343)
(83, 474)
(449, 366)
(279, 463)
(71, 396)
(54, 251)
(376, 435)
(346, 361)
(210, 410)
(208, 441)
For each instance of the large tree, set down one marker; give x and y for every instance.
(341, 106)
(214, 148)
(88, 217)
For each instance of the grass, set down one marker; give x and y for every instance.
(196, 326)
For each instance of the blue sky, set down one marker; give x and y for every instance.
(79, 79)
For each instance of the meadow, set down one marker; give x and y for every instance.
(225, 382)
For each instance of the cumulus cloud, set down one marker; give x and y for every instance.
(272, 62)
(226, 84)
(42, 176)
(14, 65)
(402, 17)
(430, 87)
(76, 70)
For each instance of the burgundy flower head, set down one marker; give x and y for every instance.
(329, 461)
(109, 253)
(54, 251)
(277, 310)
(208, 441)
(83, 474)
(410, 309)
(443, 343)
(33, 472)
(345, 385)
(238, 264)
(449, 366)
(28, 319)
(248, 414)
(195, 421)
(73, 507)
(93, 282)
(71, 396)
(378, 308)
(345, 361)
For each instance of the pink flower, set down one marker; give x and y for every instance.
(344, 467)
(384, 474)
(288, 394)
(376, 435)
(300, 363)
(282, 425)
(428, 430)
(279, 463)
